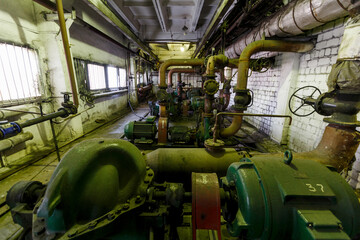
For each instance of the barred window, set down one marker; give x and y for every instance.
(96, 76)
(122, 74)
(19, 75)
(113, 77)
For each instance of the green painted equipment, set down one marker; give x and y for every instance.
(197, 102)
(273, 198)
(180, 134)
(141, 132)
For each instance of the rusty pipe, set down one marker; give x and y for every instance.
(176, 62)
(217, 119)
(265, 45)
(69, 60)
(178, 70)
(337, 148)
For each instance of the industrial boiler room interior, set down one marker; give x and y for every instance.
(179, 119)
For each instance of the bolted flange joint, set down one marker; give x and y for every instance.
(211, 86)
(242, 99)
(162, 95)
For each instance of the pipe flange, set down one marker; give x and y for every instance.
(211, 86)
(213, 146)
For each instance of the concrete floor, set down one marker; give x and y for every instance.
(43, 169)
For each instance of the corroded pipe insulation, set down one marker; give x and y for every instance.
(336, 148)
(243, 69)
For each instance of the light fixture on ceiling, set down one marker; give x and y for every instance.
(182, 48)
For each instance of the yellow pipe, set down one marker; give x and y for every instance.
(265, 45)
(66, 44)
(243, 68)
(176, 62)
(217, 60)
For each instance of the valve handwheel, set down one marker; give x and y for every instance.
(299, 100)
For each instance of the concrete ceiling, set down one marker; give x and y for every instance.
(166, 23)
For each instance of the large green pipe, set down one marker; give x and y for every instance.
(243, 69)
(177, 164)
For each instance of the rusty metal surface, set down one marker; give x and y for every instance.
(206, 208)
(162, 130)
(336, 148)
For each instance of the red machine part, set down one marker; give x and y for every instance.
(206, 208)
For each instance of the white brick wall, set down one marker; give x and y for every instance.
(314, 68)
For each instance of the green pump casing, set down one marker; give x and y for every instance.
(289, 199)
(141, 130)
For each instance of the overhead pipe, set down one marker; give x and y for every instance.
(295, 18)
(66, 44)
(243, 71)
(178, 70)
(161, 95)
(220, 12)
(176, 62)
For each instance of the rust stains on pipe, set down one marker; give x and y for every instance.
(243, 68)
(176, 62)
(178, 70)
(265, 45)
(66, 44)
(336, 148)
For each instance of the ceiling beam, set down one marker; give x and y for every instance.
(181, 3)
(162, 15)
(220, 12)
(132, 3)
(196, 14)
(100, 7)
(125, 13)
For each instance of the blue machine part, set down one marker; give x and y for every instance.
(10, 131)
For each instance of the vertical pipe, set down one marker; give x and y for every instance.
(243, 69)
(66, 44)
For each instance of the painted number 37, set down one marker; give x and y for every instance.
(317, 187)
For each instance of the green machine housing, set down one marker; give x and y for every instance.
(274, 198)
(141, 131)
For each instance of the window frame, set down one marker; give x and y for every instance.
(107, 88)
(38, 88)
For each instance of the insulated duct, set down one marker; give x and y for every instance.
(296, 18)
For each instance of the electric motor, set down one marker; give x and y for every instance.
(271, 198)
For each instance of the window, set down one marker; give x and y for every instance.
(122, 74)
(96, 76)
(113, 77)
(19, 74)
